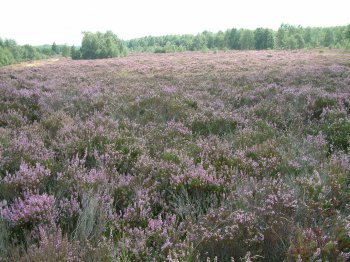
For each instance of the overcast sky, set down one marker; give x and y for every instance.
(45, 21)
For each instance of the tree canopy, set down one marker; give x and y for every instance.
(102, 45)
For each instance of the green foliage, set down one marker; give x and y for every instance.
(75, 53)
(65, 50)
(6, 57)
(247, 39)
(263, 39)
(347, 32)
(30, 53)
(102, 45)
(54, 48)
(338, 134)
(328, 38)
(321, 103)
(233, 36)
(219, 126)
(11, 53)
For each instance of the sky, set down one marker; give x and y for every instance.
(39, 22)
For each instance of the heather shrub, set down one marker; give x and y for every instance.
(214, 126)
(315, 243)
(226, 234)
(275, 206)
(29, 212)
(28, 144)
(177, 157)
(13, 118)
(26, 179)
(157, 109)
(54, 122)
(337, 134)
(321, 103)
(259, 133)
(153, 241)
(262, 160)
(53, 246)
(172, 135)
(190, 203)
(302, 155)
(21, 99)
(80, 177)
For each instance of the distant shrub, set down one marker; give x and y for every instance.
(6, 57)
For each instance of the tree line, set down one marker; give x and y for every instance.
(286, 37)
(106, 45)
(11, 52)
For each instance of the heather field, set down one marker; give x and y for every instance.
(191, 156)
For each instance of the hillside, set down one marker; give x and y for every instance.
(177, 157)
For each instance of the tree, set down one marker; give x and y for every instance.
(220, 40)
(347, 32)
(198, 43)
(75, 53)
(54, 48)
(263, 39)
(29, 53)
(328, 38)
(300, 43)
(65, 51)
(232, 37)
(246, 40)
(102, 45)
(6, 57)
(308, 37)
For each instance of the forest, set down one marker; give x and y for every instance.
(107, 45)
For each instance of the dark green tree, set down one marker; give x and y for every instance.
(328, 38)
(65, 51)
(263, 39)
(246, 40)
(75, 53)
(347, 32)
(55, 49)
(300, 43)
(232, 36)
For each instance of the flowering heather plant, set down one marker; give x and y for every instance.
(27, 178)
(79, 177)
(53, 246)
(31, 211)
(224, 233)
(177, 157)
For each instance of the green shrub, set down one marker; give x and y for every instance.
(320, 103)
(216, 126)
(337, 134)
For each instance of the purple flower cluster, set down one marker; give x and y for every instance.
(31, 208)
(27, 178)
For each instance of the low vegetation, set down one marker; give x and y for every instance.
(240, 155)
